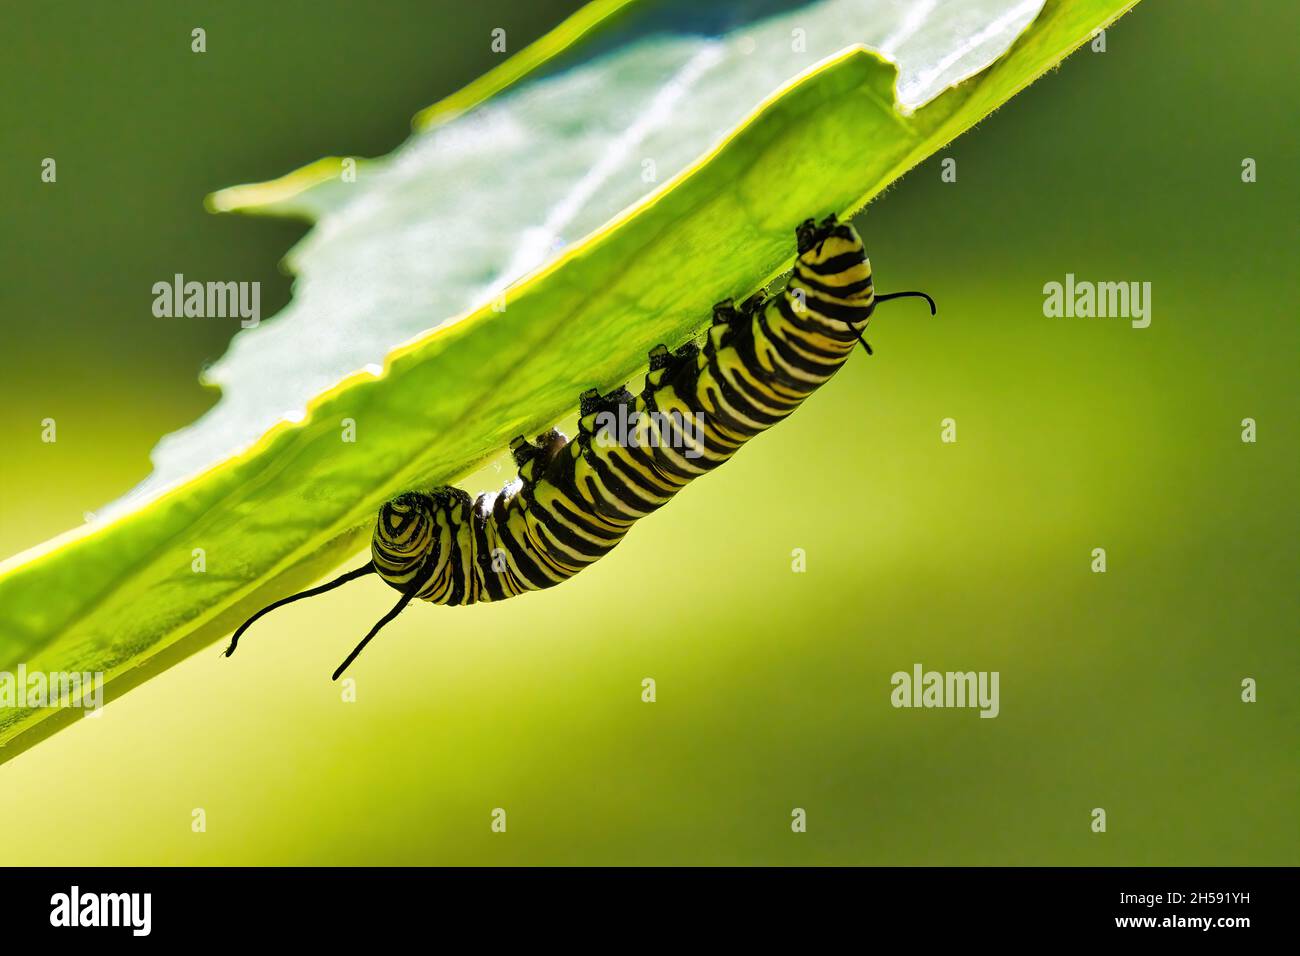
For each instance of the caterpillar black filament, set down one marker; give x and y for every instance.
(575, 500)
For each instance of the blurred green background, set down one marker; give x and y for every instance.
(1118, 690)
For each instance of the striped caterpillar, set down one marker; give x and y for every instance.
(575, 500)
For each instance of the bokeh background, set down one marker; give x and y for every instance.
(1118, 690)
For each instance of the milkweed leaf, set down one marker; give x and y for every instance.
(640, 263)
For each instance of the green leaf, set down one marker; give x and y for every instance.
(479, 197)
(121, 596)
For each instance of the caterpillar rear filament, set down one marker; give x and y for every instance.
(575, 500)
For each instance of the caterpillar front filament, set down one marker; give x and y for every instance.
(575, 500)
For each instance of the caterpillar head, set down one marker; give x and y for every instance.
(405, 534)
(820, 242)
(406, 539)
(831, 255)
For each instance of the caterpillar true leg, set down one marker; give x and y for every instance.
(727, 312)
(724, 313)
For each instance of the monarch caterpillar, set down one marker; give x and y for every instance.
(575, 500)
